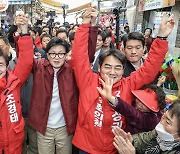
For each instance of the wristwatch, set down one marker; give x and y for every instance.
(26, 34)
(162, 38)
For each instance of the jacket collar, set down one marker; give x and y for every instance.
(11, 78)
(50, 68)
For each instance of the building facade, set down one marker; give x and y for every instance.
(149, 14)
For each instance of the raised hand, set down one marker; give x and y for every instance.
(21, 21)
(107, 89)
(161, 80)
(87, 16)
(94, 14)
(90, 15)
(166, 26)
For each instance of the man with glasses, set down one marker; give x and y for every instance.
(53, 107)
(96, 118)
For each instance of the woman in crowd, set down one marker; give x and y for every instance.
(45, 38)
(148, 38)
(147, 110)
(165, 138)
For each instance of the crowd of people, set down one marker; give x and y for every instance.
(69, 89)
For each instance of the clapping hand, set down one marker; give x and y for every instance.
(123, 141)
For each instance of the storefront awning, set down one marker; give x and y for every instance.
(79, 8)
(48, 8)
(52, 3)
(14, 2)
(155, 4)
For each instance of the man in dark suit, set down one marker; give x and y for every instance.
(100, 40)
(134, 47)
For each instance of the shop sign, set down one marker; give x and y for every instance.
(145, 5)
(3, 5)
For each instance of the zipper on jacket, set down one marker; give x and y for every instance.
(6, 91)
(2, 149)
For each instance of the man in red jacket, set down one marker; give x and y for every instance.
(11, 120)
(95, 117)
(54, 100)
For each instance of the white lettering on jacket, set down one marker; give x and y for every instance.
(116, 116)
(98, 114)
(10, 102)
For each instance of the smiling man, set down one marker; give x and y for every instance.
(53, 107)
(96, 118)
(6, 47)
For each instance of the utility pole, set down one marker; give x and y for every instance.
(64, 7)
(125, 2)
(64, 13)
(117, 11)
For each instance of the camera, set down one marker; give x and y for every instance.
(119, 10)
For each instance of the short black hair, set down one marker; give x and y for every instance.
(102, 34)
(124, 37)
(149, 29)
(160, 95)
(5, 56)
(108, 33)
(36, 30)
(112, 52)
(134, 36)
(45, 35)
(71, 36)
(174, 109)
(76, 25)
(62, 31)
(45, 27)
(57, 41)
(67, 25)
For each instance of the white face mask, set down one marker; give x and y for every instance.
(163, 134)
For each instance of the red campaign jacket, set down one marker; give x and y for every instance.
(95, 117)
(37, 42)
(11, 120)
(43, 76)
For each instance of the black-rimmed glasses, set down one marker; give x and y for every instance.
(60, 55)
